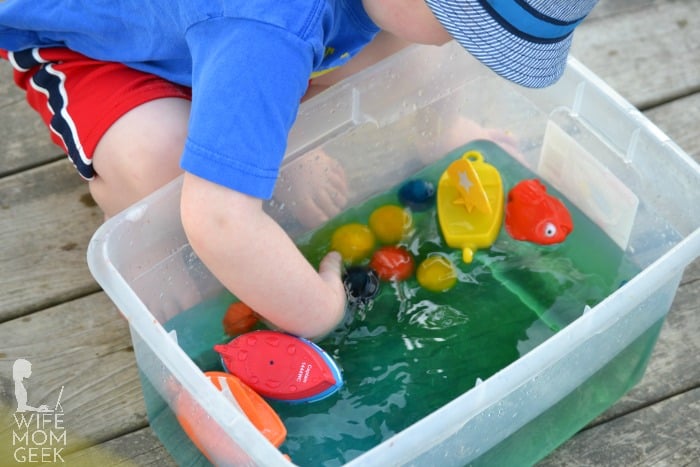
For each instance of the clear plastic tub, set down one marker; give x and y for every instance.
(394, 118)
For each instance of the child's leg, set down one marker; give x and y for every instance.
(139, 153)
(123, 129)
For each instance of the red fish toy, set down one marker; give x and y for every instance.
(535, 216)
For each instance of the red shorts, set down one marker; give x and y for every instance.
(80, 98)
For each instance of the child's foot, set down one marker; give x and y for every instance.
(312, 188)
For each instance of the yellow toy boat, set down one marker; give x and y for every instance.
(470, 204)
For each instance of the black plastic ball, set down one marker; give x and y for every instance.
(361, 283)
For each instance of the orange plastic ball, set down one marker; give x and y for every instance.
(239, 318)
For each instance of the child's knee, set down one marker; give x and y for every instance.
(151, 135)
(139, 153)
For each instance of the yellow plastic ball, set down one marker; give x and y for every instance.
(390, 223)
(437, 273)
(354, 242)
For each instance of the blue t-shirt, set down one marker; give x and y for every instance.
(248, 63)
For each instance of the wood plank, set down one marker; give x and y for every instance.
(9, 92)
(24, 139)
(46, 220)
(609, 8)
(667, 433)
(83, 346)
(140, 448)
(635, 51)
(679, 119)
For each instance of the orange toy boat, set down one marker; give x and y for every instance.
(259, 412)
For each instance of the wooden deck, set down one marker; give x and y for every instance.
(53, 313)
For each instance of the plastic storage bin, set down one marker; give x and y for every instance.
(578, 135)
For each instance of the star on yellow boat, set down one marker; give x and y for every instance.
(470, 204)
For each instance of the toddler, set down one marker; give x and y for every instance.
(137, 93)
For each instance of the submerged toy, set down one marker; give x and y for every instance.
(194, 421)
(239, 318)
(353, 241)
(470, 204)
(361, 284)
(535, 216)
(437, 273)
(280, 366)
(418, 195)
(390, 223)
(392, 263)
(259, 412)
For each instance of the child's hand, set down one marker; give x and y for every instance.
(330, 269)
(313, 188)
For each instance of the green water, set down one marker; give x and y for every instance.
(543, 434)
(410, 351)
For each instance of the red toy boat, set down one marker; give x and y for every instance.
(281, 367)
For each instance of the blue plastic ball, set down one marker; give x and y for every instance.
(418, 195)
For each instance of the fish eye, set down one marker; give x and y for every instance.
(550, 230)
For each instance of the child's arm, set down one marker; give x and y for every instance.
(255, 259)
